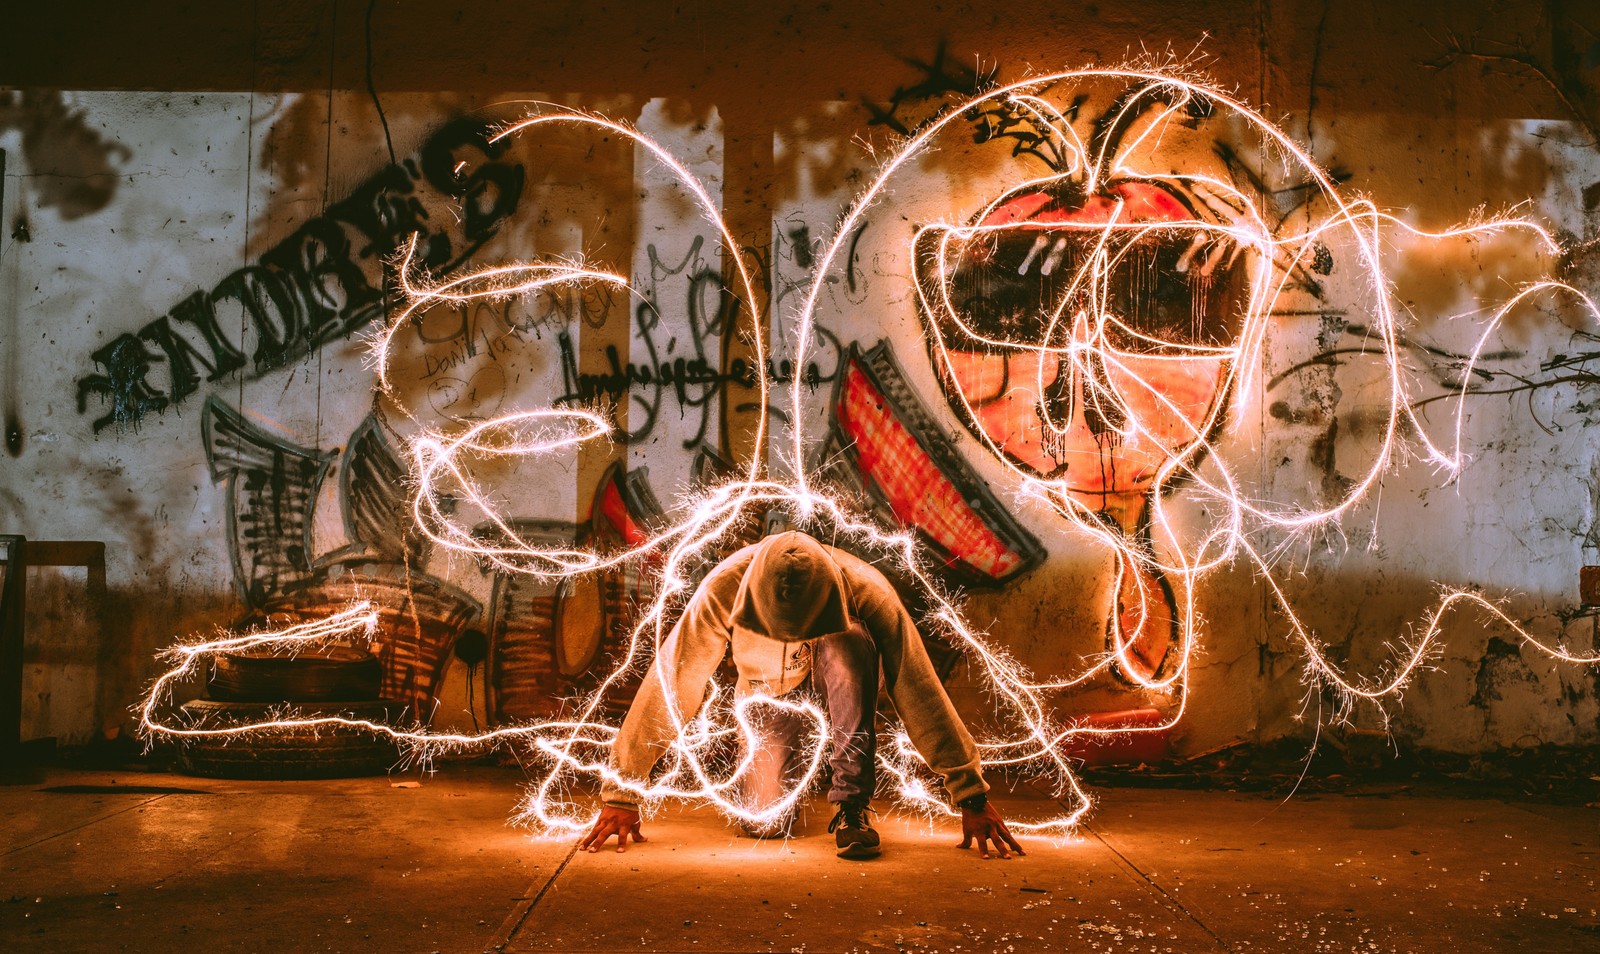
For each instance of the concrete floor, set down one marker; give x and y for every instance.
(100, 861)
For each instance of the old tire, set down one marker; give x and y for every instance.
(324, 751)
(322, 675)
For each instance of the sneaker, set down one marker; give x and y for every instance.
(852, 833)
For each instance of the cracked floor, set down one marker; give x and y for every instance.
(141, 861)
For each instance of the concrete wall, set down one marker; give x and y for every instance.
(198, 210)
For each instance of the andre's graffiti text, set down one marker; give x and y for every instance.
(320, 284)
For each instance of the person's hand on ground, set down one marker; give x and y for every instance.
(621, 822)
(985, 825)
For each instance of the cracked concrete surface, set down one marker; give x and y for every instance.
(150, 862)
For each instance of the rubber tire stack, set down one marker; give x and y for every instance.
(251, 688)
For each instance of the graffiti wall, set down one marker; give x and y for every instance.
(191, 284)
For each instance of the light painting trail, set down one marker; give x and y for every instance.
(1082, 347)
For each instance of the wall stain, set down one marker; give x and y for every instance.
(72, 167)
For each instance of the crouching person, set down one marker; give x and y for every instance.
(806, 622)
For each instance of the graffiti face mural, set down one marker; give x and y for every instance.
(1085, 329)
(1032, 300)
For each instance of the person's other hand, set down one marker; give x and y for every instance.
(621, 822)
(987, 826)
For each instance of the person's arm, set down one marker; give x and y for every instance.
(686, 661)
(929, 717)
(919, 697)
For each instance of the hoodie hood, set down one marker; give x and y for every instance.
(792, 591)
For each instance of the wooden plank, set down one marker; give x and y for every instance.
(90, 554)
(1589, 584)
(20, 554)
(13, 600)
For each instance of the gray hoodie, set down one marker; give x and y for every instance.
(765, 599)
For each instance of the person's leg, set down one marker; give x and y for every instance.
(772, 771)
(844, 670)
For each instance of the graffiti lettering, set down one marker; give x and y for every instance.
(691, 376)
(692, 382)
(563, 307)
(937, 81)
(321, 283)
(127, 362)
(996, 120)
(470, 339)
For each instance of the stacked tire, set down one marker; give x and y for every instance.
(248, 688)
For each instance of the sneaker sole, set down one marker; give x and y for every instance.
(858, 852)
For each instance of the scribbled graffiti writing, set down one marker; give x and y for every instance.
(687, 373)
(938, 80)
(320, 284)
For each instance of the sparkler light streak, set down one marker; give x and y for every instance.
(1086, 357)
